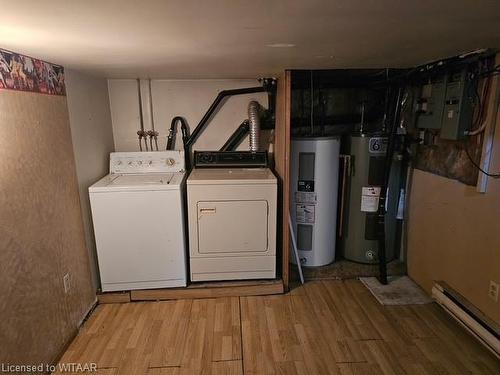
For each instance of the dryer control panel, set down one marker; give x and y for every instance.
(146, 162)
(230, 159)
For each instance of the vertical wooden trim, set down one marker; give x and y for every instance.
(489, 132)
(286, 181)
(282, 161)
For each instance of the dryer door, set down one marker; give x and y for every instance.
(237, 226)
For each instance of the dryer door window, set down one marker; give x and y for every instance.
(232, 226)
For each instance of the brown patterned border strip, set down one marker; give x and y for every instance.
(24, 73)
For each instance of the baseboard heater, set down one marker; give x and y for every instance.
(481, 327)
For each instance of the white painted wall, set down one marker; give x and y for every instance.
(92, 136)
(187, 98)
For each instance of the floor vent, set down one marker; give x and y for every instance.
(480, 326)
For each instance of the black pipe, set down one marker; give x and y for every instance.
(322, 102)
(271, 89)
(237, 137)
(268, 85)
(173, 131)
(383, 193)
(212, 109)
(187, 157)
(185, 136)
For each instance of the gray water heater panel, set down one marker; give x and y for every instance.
(360, 240)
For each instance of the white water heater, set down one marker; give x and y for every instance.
(313, 195)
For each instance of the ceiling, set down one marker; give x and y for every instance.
(234, 38)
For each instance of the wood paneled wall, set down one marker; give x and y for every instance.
(454, 231)
(41, 230)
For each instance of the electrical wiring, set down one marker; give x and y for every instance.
(479, 124)
(491, 72)
(492, 175)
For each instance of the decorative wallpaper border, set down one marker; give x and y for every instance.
(24, 73)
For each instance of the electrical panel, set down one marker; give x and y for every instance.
(431, 103)
(458, 107)
(446, 104)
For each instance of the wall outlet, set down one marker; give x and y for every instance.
(493, 290)
(66, 282)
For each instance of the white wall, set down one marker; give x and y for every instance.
(187, 98)
(92, 136)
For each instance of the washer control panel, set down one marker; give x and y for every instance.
(146, 162)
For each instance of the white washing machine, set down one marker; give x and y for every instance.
(138, 218)
(232, 223)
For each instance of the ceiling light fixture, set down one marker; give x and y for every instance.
(280, 45)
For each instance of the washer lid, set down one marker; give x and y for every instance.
(228, 176)
(138, 182)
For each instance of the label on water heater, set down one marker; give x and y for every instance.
(305, 185)
(377, 145)
(303, 197)
(305, 213)
(369, 198)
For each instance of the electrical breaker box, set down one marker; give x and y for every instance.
(458, 106)
(446, 103)
(431, 103)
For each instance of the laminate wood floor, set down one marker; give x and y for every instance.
(324, 327)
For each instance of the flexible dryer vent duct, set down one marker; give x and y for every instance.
(253, 117)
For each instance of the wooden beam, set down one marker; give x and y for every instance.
(212, 290)
(114, 297)
(282, 166)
